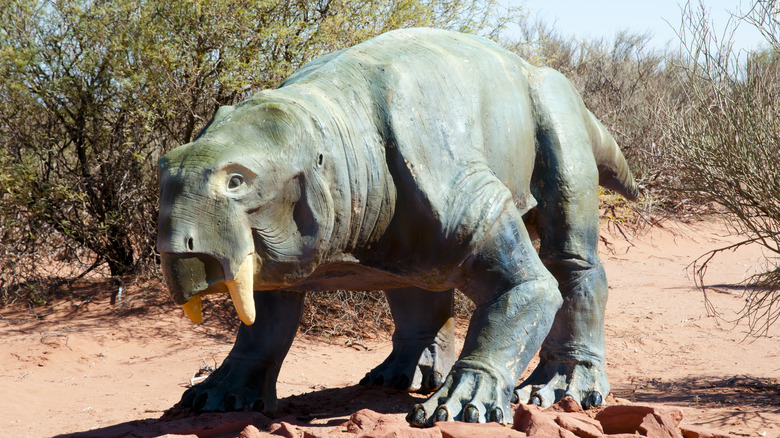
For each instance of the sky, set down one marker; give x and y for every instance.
(586, 19)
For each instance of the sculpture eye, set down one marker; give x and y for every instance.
(235, 182)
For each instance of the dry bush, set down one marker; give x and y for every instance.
(358, 315)
(724, 137)
(625, 84)
(342, 313)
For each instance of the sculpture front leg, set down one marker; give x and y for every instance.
(246, 380)
(516, 299)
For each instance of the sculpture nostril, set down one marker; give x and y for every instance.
(190, 244)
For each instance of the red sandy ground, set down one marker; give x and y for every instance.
(84, 364)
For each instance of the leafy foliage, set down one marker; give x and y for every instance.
(624, 83)
(701, 127)
(94, 92)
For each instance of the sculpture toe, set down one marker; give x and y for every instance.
(593, 400)
(442, 414)
(417, 416)
(497, 415)
(471, 414)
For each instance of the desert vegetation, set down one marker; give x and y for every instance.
(93, 93)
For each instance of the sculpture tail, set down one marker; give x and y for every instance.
(614, 173)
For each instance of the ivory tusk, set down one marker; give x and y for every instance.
(241, 290)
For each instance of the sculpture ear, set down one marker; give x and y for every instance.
(221, 113)
(313, 213)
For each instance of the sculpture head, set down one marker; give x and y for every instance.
(244, 207)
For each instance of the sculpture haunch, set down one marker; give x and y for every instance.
(406, 163)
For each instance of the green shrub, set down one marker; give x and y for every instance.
(93, 93)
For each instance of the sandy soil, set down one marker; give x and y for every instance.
(84, 364)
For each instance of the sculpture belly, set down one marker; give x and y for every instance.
(354, 276)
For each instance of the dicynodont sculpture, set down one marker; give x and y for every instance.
(407, 163)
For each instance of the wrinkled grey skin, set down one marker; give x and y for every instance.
(409, 163)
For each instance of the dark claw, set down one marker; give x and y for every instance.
(471, 414)
(593, 400)
(515, 398)
(258, 405)
(442, 414)
(200, 402)
(535, 400)
(402, 382)
(436, 380)
(417, 416)
(187, 398)
(231, 403)
(497, 415)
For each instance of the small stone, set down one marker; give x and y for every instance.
(567, 404)
(566, 419)
(252, 432)
(701, 432)
(459, 429)
(284, 429)
(657, 426)
(363, 420)
(579, 424)
(634, 418)
(535, 421)
(173, 435)
(338, 422)
(367, 423)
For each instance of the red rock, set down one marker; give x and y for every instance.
(580, 424)
(253, 432)
(567, 404)
(657, 426)
(363, 420)
(284, 429)
(338, 422)
(366, 423)
(458, 429)
(536, 421)
(204, 425)
(701, 432)
(641, 418)
(172, 435)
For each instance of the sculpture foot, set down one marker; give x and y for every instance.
(468, 395)
(552, 380)
(409, 369)
(232, 387)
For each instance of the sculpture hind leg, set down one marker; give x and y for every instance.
(423, 341)
(565, 184)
